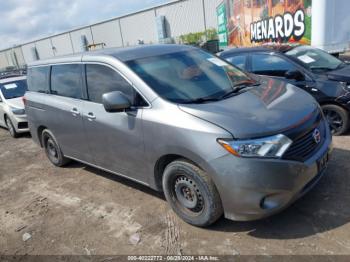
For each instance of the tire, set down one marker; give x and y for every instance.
(53, 150)
(337, 117)
(191, 194)
(11, 128)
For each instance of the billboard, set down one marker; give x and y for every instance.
(222, 22)
(255, 22)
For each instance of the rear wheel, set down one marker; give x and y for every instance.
(11, 128)
(191, 193)
(52, 149)
(337, 117)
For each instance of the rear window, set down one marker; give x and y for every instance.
(238, 61)
(38, 79)
(66, 80)
(14, 89)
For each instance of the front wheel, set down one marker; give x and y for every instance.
(52, 149)
(11, 128)
(191, 194)
(337, 117)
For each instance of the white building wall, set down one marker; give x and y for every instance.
(19, 55)
(27, 52)
(44, 48)
(183, 17)
(76, 39)
(3, 60)
(210, 13)
(141, 26)
(108, 33)
(62, 45)
(10, 58)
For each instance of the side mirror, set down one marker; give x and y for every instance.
(294, 74)
(115, 102)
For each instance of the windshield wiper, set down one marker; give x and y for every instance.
(321, 68)
(202, 100)
(341, 65)
(238, 87)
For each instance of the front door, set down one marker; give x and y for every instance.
(115, 139)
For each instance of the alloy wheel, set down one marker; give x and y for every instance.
(334, 119)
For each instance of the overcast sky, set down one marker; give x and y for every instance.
(26, 20)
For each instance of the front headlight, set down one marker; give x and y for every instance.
(18, 111)
(269, 147)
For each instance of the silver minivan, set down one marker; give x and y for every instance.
(179, 120)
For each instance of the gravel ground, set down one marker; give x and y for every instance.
(80, 210)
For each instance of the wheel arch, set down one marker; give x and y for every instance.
(333, 102)
(39, 134)
(163, 162)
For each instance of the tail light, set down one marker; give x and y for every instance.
(24, 99)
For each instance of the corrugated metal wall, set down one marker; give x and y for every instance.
(182, 17)
(3, 60)
(27, 52)
(107, 33)
(44, 48)
(62, 45)
(141, 26)
(76, 39)
(210, 13)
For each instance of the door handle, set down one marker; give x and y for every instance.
(91, 116)
(75, 111)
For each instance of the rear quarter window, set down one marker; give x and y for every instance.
(38, 79)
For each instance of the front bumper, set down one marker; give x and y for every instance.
(252, 189)
(20, 123)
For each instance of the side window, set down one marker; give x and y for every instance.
(238, 61)
(102, 79)
(270, 65)
(38, 79)
(66, 80)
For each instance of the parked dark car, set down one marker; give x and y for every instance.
(322, 75)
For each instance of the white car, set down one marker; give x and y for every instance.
(12, 113)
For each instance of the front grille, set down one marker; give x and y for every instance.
(304, 145)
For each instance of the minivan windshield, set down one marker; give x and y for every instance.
(315, 59)
(14, 89)
(192, 76)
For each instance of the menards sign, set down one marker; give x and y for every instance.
(279, 28)
(253, 22)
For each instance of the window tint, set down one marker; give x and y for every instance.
(238, 61)
(66, 80)
(101, 79)
(270, 65)
(38, 79)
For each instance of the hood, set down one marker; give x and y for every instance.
(342, 74)
(264, 110)
(15, 102)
